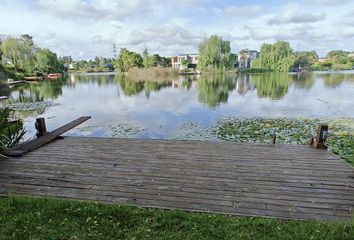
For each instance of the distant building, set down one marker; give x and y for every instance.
(323, 59)
(246, 57)
(177, 61)
(351, 55)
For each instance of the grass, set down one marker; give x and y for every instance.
(153, 73)
(47, 218)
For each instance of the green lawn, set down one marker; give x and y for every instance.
(48, 218)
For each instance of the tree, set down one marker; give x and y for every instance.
(128, 60)
(48, 62)
(19, 53)
(337, 54)
(214, 52)
(305, 59)
(278, 57)
(149, 60)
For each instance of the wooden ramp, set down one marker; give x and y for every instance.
(283, 181)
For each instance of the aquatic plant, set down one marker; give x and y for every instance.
(11, 132)
(290, 131)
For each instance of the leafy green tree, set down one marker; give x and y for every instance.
(47, 61)
(340, 60)
(19, 53)
(214, 52)
(305, 59)
(128, 59)
(150, 60)
(278, 57)
(337, 54)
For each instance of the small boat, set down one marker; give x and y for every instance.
(33, 78)
(53, 76)
(11, 82)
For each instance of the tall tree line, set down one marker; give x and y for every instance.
(23, 55)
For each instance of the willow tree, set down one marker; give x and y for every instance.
(214, 52)
(19, 53)
(278, 57)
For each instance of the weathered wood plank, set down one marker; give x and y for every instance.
(34, 144)
(284, 181)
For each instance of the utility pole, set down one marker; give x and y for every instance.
(114, 50)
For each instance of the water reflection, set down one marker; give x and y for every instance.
(215, 89)
(160, 104)
(335, 79)
(271, 85)
(303, 80)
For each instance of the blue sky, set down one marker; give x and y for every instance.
(84, 29)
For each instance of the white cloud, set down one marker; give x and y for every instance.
(244, 11)
(94, 9)
(88, 28)
(328, 2)
(295, 14)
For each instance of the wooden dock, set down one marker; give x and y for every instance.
(283, 181)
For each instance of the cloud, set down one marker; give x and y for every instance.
(94, 9)
(266, 33)
(328, 2)
(294, 14)
(166, 34)
(87, 28)
(244, 11)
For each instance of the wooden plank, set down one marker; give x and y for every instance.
(284, 181)
(3, 98)
(34, 144)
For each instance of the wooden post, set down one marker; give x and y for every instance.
(274, 138)
(321, 136)
(41, 127)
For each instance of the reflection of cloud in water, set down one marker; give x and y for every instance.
(166, 106)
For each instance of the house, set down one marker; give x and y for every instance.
(323, 59)
(246, 57)
(177, 61)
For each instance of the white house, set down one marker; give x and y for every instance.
(177, 61)
(246, 57)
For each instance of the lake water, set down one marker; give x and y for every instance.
(170, 107)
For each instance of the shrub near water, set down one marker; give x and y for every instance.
(289, 131)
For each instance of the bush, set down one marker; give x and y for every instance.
(11, 132)
(255, 70)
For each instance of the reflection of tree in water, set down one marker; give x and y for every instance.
(99, 79)
(154, 86)
(37, 92)
(303, 80)
(271, 85)
(214, 89)
(243, 84)
(336, 79)
(32, 99)
(132, 87)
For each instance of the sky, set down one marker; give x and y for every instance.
(88, 28)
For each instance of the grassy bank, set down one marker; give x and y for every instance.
(43, 218)
(151, 73)
(255, 70)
